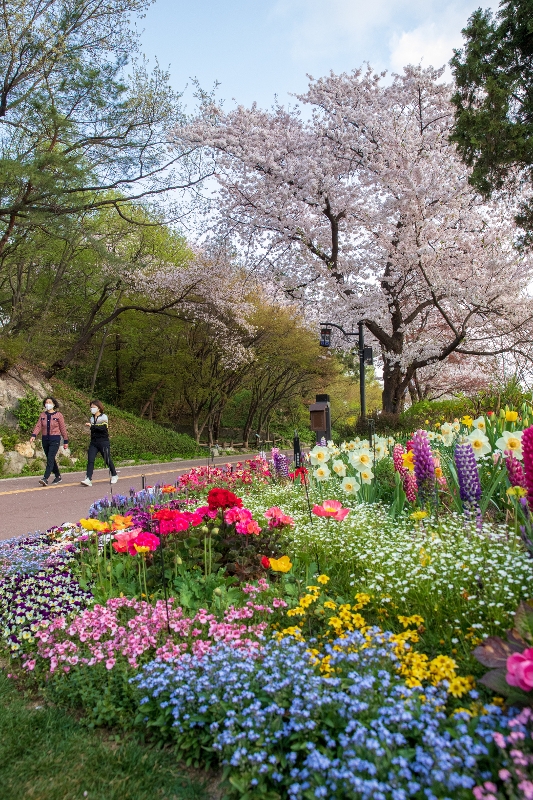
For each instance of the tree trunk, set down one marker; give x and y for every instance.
(393, 388)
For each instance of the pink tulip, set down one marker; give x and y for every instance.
(520, 670)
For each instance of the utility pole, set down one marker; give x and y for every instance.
(362, 389)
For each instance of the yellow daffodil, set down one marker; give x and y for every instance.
(408, 460)
(467, 421)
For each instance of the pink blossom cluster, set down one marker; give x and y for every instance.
(172, 521)
(277, 518)
(229, 475)
(517, 778)
(100, 634)
(242, 519)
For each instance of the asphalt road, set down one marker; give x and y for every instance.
(26, 507)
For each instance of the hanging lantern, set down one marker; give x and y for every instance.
(325, 337)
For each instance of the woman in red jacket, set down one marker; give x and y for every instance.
(52, 427)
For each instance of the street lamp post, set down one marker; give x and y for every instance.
(365, 353)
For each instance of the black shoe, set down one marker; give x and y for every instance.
(58, 479)
(43, 482)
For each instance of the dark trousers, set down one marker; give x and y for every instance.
(104, 449)
(50, 451)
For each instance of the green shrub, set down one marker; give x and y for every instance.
(27, 411)
(9, 440)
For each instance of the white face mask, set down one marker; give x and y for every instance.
(49, 406)
(94, 410)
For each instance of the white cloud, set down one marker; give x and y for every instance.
(428, 43)
(388, 33)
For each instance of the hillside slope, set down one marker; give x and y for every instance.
(131, 437)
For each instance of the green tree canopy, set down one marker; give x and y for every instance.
(494, 100)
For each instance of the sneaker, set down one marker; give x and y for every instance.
(86, 482)
(57, 480)
(114, 478)
(43, 482)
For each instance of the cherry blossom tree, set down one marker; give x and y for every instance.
(362, 210)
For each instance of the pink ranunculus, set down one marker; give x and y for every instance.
(235, 514)
(205, 511)
(332, 509)
(520, 670)
(247, 527)
(124, 538)
(277, 519)
(144, 543)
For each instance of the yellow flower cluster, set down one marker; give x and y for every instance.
(416, 619)
(346, 620)
(516, 491)
(416, 668)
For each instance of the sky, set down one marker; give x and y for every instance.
(260, 50)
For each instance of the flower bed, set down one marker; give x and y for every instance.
(320, 633)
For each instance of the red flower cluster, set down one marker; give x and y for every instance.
(222, 498)
(171, 521)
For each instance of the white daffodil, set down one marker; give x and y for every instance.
(511, 441)
(380, 450)
(351, 446)
(322, 473)
(350, 485)
(339, 467)
(361, 460)
(391, 441)
(456, 425)
(447, 433)
(366, 475)
(480, 424)
(319, 455)
(480, 443)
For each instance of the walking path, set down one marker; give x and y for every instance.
(26, 507)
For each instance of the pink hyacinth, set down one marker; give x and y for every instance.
(397, 453)
(515, 471)
(410, 486)
(527, 453)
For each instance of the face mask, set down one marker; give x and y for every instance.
(94, 410)
(49, 406)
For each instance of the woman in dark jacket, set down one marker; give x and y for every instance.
(99, 443)
(52, 427)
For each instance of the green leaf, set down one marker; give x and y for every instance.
(523, 621)
(495, 680)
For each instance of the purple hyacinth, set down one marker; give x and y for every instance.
(424, 467)
(468, 477)
(281, 464)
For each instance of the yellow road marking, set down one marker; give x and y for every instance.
(100, 480)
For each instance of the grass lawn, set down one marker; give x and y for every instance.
(46, 754)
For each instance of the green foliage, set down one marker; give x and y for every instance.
(27, 411)
(131, 437)
(9, 440)
(46, 754)
(494, 98)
